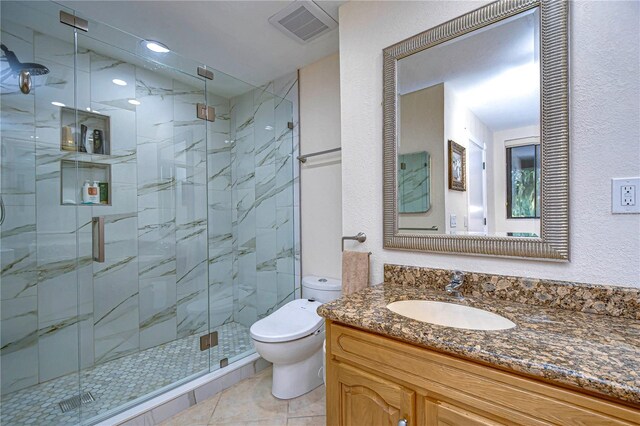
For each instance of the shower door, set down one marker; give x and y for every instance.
(150, 294)
(42, 281)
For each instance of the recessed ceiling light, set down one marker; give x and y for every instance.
(156, 46)
(88, 109)
(268, 127)
(134, 102)
(56, 103)
(119, 82)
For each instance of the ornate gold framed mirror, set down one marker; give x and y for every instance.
(485, 96)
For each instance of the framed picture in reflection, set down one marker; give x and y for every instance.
(457, 167)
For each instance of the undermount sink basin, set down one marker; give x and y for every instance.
(450, 315)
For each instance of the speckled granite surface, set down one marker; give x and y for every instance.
(598, 353)
(597, 299)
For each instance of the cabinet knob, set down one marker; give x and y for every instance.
(403, 422)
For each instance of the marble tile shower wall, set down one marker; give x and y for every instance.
(263, 185)
(152, 287)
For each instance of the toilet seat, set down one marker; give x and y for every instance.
(292, 321)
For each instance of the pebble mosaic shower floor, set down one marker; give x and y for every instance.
(117, 382)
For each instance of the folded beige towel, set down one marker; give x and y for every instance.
(355, 271)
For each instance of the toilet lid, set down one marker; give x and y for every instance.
(294, 320)
(322, 283)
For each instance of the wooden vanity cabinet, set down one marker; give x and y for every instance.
(367, 399)
(374, 380)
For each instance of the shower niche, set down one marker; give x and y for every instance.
(73, 175)
(89, 133)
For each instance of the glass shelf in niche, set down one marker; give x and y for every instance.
(90, 134)
(73, 175)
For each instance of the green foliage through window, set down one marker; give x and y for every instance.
(523, 182)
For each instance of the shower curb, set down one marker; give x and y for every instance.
(174, 401)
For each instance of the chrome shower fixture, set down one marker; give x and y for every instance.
(24, 70)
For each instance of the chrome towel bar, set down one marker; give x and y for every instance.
(303, 158)
(433, 228)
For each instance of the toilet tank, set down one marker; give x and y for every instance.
(321, 289)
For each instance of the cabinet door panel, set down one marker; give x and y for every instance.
(442, 414)
(369, 400)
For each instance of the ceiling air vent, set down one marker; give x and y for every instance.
(303, 21)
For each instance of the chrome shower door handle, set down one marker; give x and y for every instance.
(97, 228)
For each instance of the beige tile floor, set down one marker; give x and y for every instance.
(250, 403)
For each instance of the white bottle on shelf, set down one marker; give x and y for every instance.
(86, 192)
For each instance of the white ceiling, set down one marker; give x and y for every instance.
(494, 70)
(234, 37)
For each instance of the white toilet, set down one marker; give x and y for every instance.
(291, 338)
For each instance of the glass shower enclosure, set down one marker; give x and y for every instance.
(147, 220)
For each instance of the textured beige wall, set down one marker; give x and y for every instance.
(321, 177)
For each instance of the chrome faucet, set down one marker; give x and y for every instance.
(457, 279)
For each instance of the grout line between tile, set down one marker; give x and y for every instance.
(303, 416)
(216, 406)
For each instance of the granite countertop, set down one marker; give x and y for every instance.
(596, 353)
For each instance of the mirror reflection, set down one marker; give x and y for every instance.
(469, 133)
(413, 182)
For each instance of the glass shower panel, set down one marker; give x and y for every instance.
(286, 199)
(150, 303)
(220, 237)
(43, 309)
(250, 216)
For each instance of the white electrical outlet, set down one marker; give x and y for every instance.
(624, 195)
(628, 195)
(453, 220)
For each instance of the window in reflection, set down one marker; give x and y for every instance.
(523, 182)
